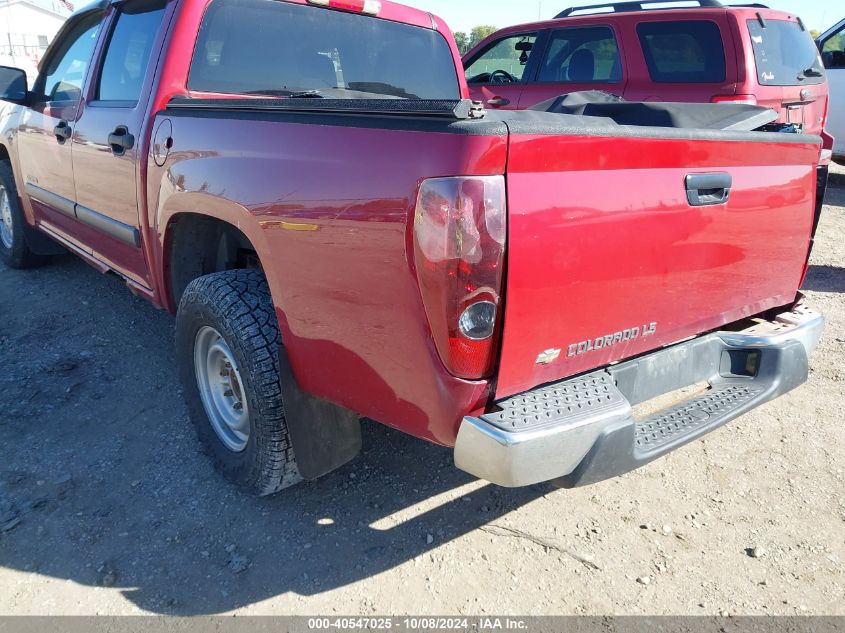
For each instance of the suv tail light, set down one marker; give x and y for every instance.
(826, 111)
(460, 229)
(736, 99)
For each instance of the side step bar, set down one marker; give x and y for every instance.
(585, 430)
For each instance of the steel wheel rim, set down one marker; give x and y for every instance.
(6, 226)
(221, 389)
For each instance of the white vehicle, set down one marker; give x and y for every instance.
(832, 46)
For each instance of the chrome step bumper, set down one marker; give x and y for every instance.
(584, 430)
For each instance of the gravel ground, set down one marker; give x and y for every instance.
(107, 506)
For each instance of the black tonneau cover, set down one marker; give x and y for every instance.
(700, 116)
(456, 109)
(591, 113)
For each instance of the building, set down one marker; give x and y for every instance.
(26, 29)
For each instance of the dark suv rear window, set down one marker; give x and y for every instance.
(683, 52)
(785, 53)
(266, 47)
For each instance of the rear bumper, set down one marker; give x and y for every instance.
(595, 427)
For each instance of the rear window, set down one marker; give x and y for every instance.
(266, 47)
(785, 54)
(582, 55)
(683, 52)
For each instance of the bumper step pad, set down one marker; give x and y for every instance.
(570, 403)
(665, 427)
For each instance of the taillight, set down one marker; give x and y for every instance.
(371, 7)
(826, 111)
(735, 99)
(460, 229)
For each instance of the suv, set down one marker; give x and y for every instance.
(706, 53)
(832, 46)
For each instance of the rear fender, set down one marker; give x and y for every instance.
(209, 206)
(324, 436)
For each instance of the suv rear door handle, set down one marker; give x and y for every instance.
(62, 131)
(121, 140)
(498, 102)
(704, 190)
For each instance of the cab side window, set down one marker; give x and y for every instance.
(585, 55)
(62, 79)
(833, 51)
(683, 52)
(128, 53)
(504, 62)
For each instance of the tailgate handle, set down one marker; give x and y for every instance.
(708, 189)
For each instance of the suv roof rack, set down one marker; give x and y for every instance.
(626, 7)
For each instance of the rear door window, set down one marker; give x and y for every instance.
(263, 47)
(129, 50)
(683, 52)
(582, 55)
(785, 54)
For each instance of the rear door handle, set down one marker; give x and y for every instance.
(62, 131)
(704, 190)
(498, 102)
(121, 140)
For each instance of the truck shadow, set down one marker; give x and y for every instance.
(825, 279)
(102, 482)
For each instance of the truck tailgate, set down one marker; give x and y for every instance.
(608, 257)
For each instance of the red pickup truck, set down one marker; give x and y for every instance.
(560, 294)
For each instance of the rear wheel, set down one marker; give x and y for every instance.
(14, 250)
(228, 341)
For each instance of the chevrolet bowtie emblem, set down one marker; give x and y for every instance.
(549, 356)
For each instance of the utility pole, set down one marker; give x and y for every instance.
(9, 32)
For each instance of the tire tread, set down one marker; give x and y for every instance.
(241, 300)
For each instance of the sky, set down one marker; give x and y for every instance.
(462, 15)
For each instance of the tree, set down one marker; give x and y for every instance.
(815, 34)
(462, 40)
(479, 33)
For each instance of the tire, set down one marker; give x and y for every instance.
(14, 250)
(249, 445)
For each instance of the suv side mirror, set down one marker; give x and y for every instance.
(13, 86)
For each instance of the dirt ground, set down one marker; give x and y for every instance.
(108, 507)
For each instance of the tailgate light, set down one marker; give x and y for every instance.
(370, 7)
(460, 228)
(735, 99)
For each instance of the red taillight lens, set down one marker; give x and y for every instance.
(460, 229)
(826, 111)
(371, 7)
(736, 99)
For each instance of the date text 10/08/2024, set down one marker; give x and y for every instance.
(418, 624)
